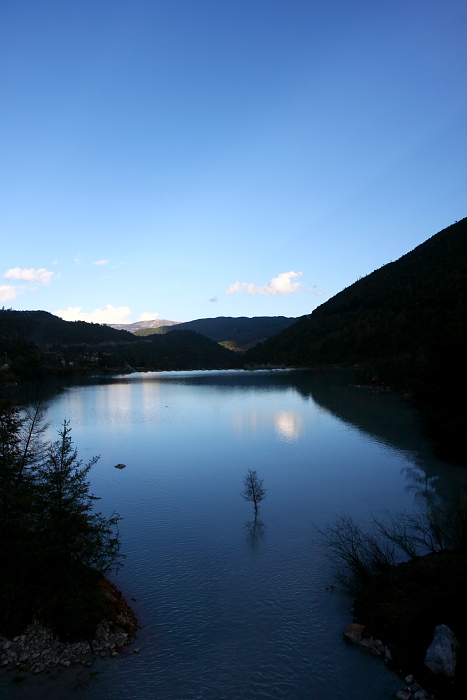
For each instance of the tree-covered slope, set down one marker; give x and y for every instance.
(184, 350)
(239, 333)
(405, 324)
(45, 329)
(403, 307)
(36, 344)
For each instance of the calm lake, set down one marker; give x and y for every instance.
(227, 610)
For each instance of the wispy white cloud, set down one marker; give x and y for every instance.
(100, 262)
(148, 316)
(42, 276)
(282, 284)
(7, 292)
(316, 292)
(110, 314)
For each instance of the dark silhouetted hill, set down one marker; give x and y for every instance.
(36, 344)
(171, 351)
(45, 329)
(405, 325)
(236, 333)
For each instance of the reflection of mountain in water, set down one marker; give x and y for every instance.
(239, 380)
(386, 418)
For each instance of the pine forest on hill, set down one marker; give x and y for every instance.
(404, 326)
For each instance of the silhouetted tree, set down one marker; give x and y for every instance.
(253, 489)
(57, 547)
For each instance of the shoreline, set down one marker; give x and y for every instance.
(403, 607)
(37, 649)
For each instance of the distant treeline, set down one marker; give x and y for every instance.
(37, 345)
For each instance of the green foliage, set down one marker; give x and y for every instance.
(162, 330)
(57, 547)
(230, 345)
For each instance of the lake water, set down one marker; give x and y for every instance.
(228, 610)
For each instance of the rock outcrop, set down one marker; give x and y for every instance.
(441, 656)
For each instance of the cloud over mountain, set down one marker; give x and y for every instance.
(282, 284)
(110, 314)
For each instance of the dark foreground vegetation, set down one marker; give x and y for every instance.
(55, 548)
(403, 326)
(402, 603)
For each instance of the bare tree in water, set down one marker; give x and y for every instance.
(253, 489)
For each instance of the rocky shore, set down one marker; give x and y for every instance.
(417, 608)
(37, 649)
(359, 634)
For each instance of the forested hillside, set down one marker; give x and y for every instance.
(236, 333)
(184, 350)
(45, 329)
(405, 325)
(36, 345)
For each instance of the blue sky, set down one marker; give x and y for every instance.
(186, 159)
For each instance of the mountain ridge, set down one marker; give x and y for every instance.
(141, 325)
(404, 325)
(236, 332)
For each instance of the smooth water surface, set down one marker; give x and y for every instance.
(230, 608)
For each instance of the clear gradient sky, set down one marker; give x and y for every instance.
(185, 159)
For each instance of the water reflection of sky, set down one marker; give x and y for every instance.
(210, 581)
(288, 424)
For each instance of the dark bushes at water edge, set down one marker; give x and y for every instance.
(402, 604)
(57, 548)
(362, 550)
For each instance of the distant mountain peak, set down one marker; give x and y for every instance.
(139, 325)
